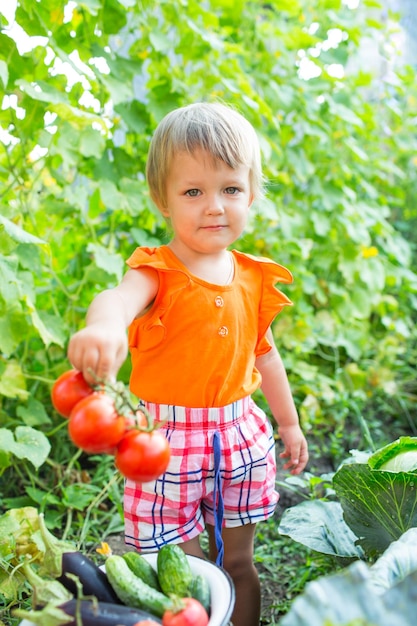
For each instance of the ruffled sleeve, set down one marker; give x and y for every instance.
(272, 300)
(151, 257)
(149, 329)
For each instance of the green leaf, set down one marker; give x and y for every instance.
(142, 238)
(4, 73)
(34, 414)
(42, 498)
(17, 233)
(111, 196)
(79, 496)
(46, 331)
(119, 91)
(114, 17)
(345, 114)
(13, 326)
(42, 91)
(113, 264)
(359, 152)
(49, 615)
(133, 194)
(349, 599)
(16, 525)
(92, 6)
(5, 460)
(9, 585)
(291, 7)
(398, 561)
(78, 118)
(12, 381)
(160, 42)
(379, 506)
(322, 223)
(382, 594)
(6, 447)
(320, 526)
(92, 143)
(135, 115)
(27, 443)
(8, 284)
(361, 304)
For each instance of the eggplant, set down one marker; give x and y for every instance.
(105, 613)
(64, 563)
(93, 580)
(88, 613)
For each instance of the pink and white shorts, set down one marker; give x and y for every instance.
(175, 507)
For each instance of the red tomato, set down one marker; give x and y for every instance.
(68, 390)
(194, 614)
(147, 622)
(94, 424)
(142, 456)
(137, 419)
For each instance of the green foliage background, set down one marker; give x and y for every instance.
(340, 159)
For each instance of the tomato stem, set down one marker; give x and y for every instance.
(122, 401)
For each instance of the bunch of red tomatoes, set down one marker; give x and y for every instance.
(101, 420)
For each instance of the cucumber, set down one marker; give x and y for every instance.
(142, 568)
(200, 590)
(132, 591)
(174, 571)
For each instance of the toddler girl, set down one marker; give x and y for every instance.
(198, 317)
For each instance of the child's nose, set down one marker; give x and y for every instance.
(215, 205)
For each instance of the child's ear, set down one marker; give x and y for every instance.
(164, 211)
(160, 206)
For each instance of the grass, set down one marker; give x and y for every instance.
(284, 568)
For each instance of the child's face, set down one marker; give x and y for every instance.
(207, 202)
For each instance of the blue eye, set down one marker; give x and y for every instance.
(192, 192)
(231, 191)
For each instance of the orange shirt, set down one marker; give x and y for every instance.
(197, 344)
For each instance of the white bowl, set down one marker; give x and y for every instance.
(221, 589)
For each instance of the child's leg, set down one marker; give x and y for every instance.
(238, 562)
(193, 547)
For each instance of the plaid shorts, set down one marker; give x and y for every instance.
(175, 507)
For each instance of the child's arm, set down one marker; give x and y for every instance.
(99, 349)
(276, 388)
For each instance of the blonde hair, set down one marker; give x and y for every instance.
(216, 128)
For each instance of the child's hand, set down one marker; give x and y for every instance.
(295, 448)
(98, 352)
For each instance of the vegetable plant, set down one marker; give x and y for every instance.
(375, 504)
(382, 594)
(103, 420)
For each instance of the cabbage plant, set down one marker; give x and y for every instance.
(376, 502)
(382, 594)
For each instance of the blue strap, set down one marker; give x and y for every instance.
(218, 500)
